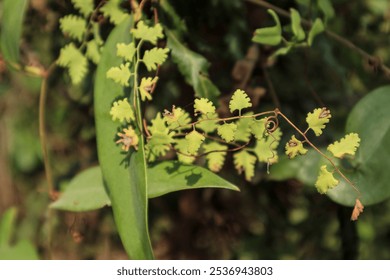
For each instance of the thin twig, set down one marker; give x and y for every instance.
(42, 130)
(370, 58)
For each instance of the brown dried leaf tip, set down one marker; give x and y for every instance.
(357, 210)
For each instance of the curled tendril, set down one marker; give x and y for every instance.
(271, 124)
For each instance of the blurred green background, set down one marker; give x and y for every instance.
(268, 219)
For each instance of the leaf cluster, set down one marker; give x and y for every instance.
(273, 36)
(84, 32)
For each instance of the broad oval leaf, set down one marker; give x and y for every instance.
(370, 119)
(163, 178)
(11, 29)
(126, 186)
(171, 176)
(85, 192)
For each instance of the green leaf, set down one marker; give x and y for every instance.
(146, 33)
(258, 128)
(347, 145)
(370, 166)
(113, 11)
(146, 86)
(126, 185)
(120, 75)
(325, 180)
(317, 120)
(204, 106)
(297, 29)
(93, 51)
(265, 150)
(13, 12)
(317, 28)
(85, 192)
(194, 139)
(71, 58)
(158, 145)
(160, 140)
(122, 111)
(294, 147)
(7, 221)
(269, 35)
(208, 123)
(74, 26)
(216, 155)
(192, 66)
(282, 50)
(240, 100)
(84, 6)
(154, 57)
(126, 51)
(178, 119)
(327, 8)
(243, 132)
(245, 162)
(227, 131)
(158, 125)
(182, 146)
(170, 176)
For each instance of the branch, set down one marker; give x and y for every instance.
(370, 58)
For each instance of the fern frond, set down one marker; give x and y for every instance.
(245, 162)
(146, 33)
(71, 58)
(122, 110)
(216, 159)
(93, 51)
(126, 51)
(120, 75)
(84, 6)
(74, 26)
(154, 57)
(113, 11)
